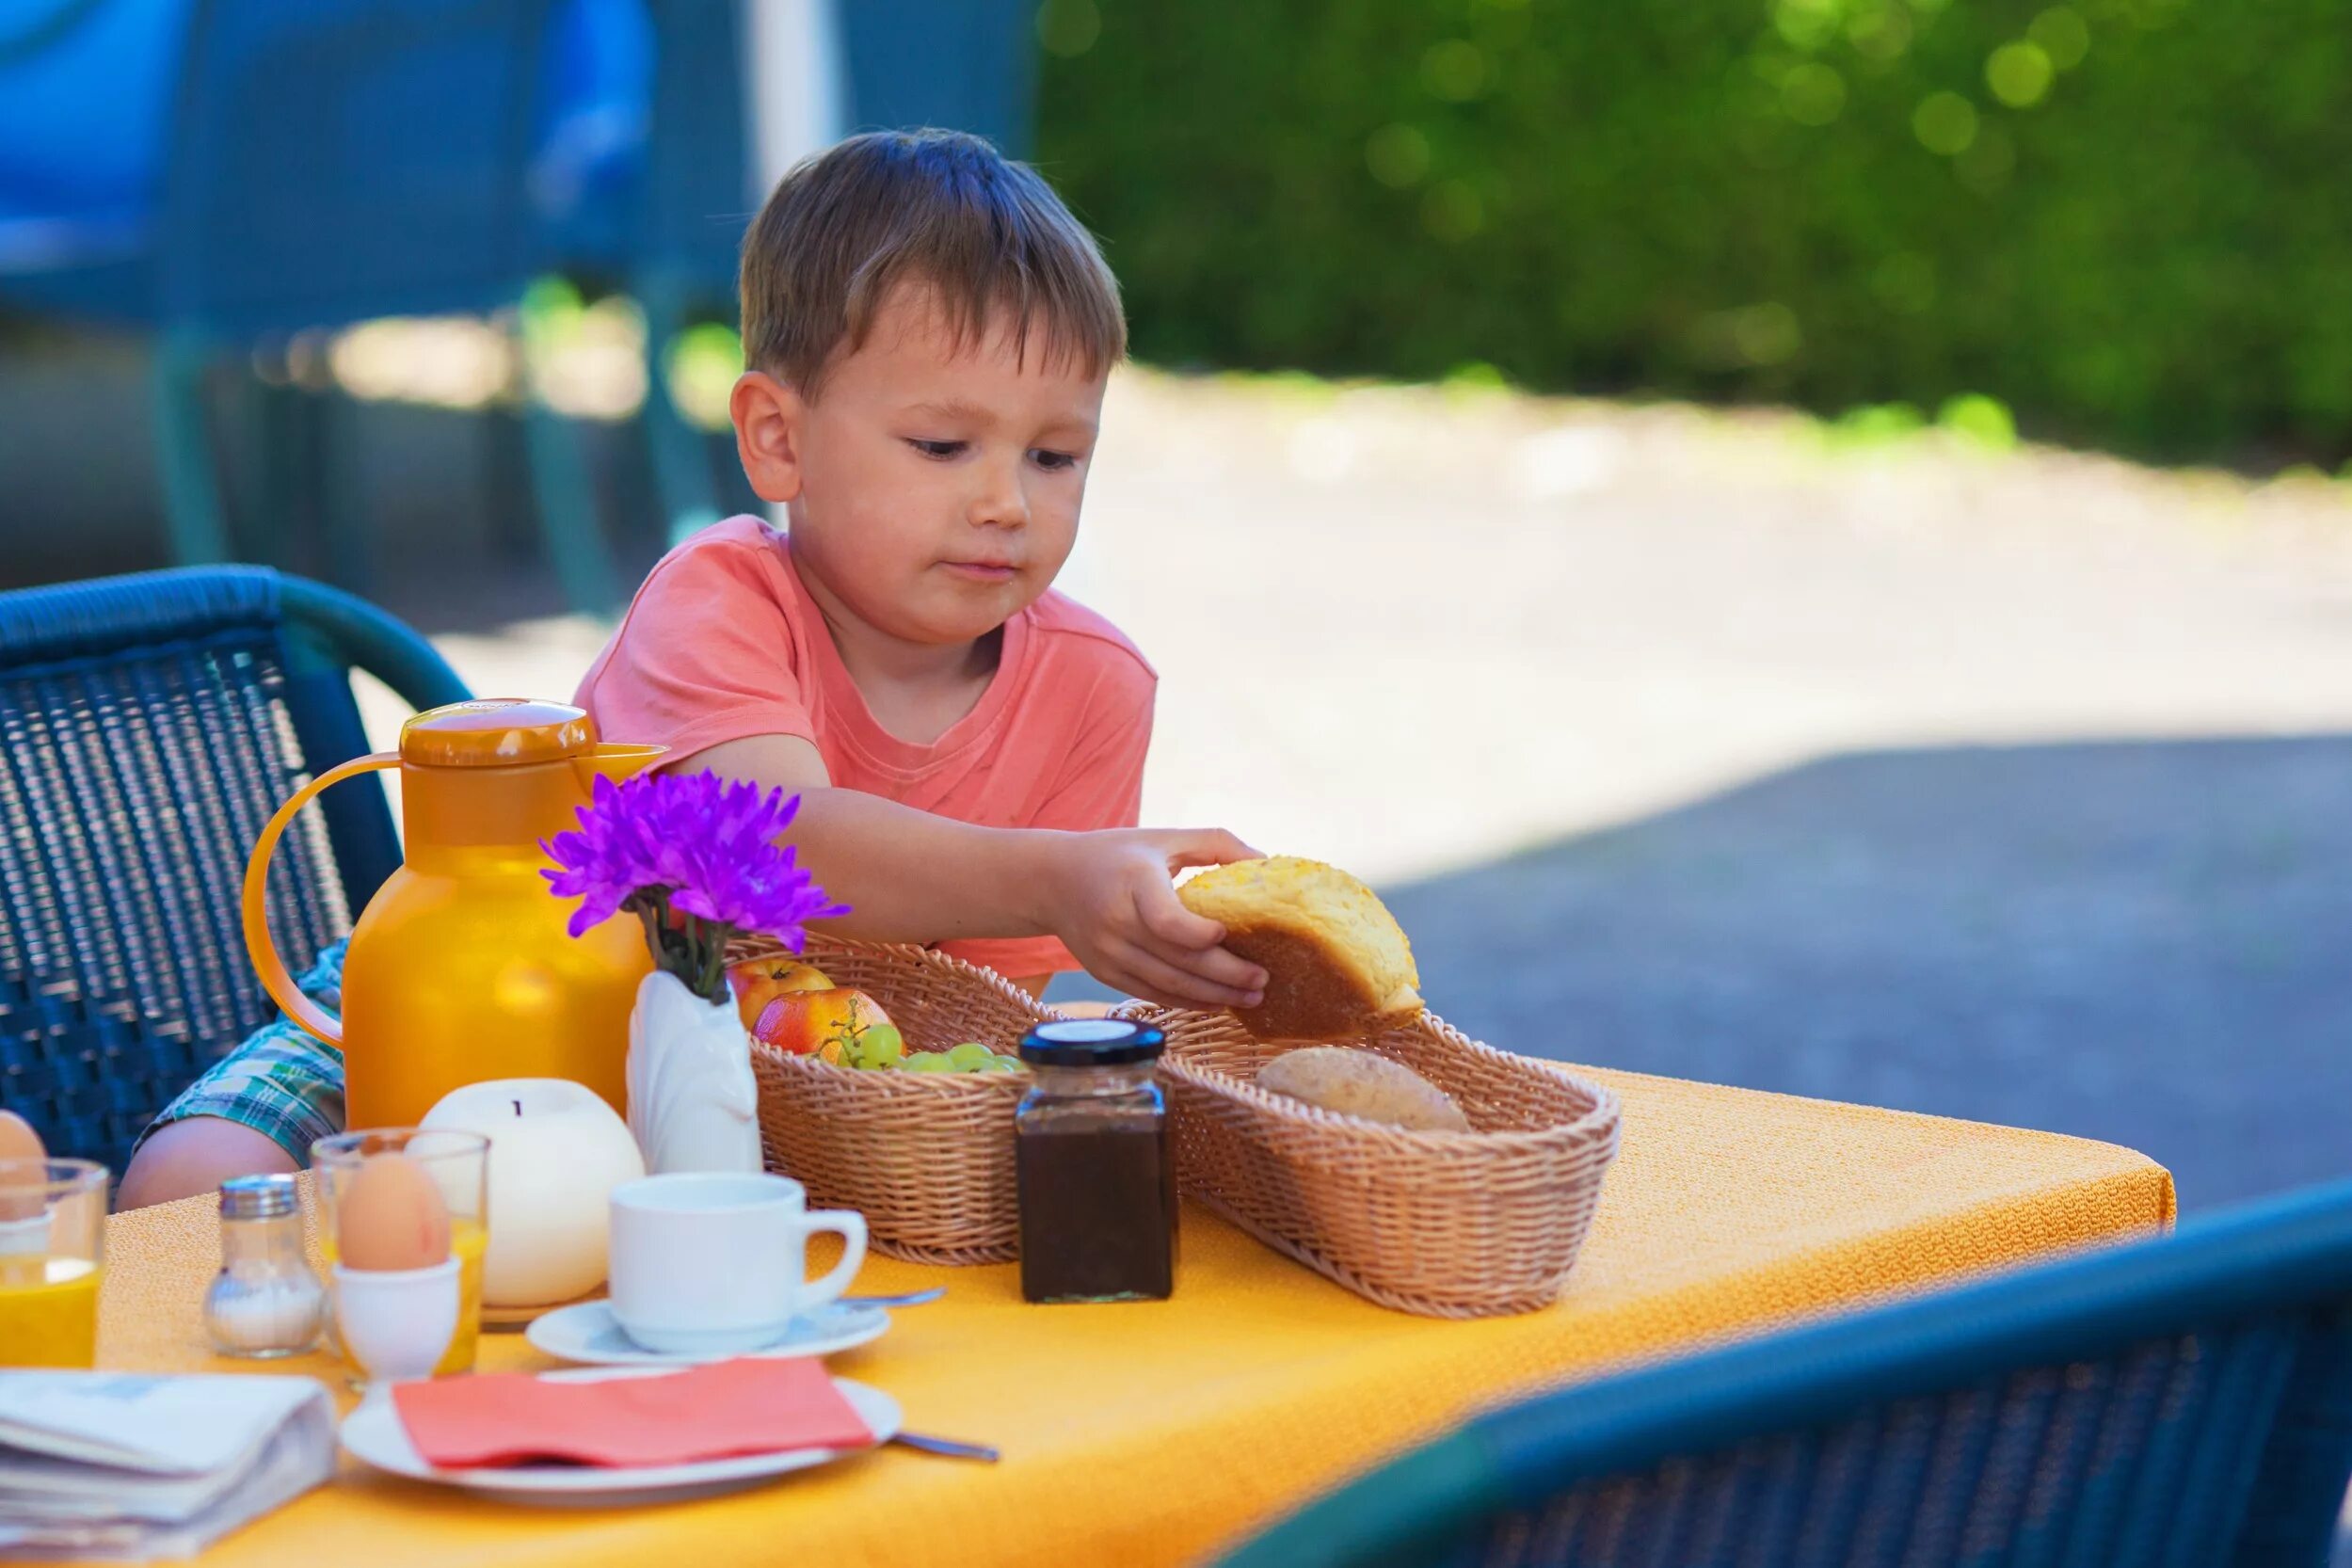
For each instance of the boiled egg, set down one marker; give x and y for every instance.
(19, 1142)
(391, 1218)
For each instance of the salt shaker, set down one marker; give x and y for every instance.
(265, 1302)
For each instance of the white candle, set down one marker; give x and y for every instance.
(556, 1152)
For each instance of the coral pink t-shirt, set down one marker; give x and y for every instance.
(723, 643)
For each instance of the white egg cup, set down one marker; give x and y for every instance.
(396, 1324)
(24, 1238)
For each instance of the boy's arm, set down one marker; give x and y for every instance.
(909, 875)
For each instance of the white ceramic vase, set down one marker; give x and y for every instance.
(693, 1103)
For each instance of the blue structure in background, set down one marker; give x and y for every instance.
(95, 93)
(336, 160)
(693, 207)
(956, 65)
(85, 89)
(284, 165)
(226, 173)
(969, 65)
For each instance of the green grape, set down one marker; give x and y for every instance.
(879, 1048)
(1007, 1065)
(970, 1057)
(929, 1061)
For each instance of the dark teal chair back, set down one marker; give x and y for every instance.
(2181, 1403)
(151, 723)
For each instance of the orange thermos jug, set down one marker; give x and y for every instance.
(460, 970)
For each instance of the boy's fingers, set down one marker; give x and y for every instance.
(1168, 923)
(1208, 846)
(1149, 975)
(1134, 985)
(1222, 968)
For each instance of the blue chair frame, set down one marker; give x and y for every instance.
(151, 723)
(2184, 1403)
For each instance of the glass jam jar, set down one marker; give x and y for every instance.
(1098, 1178)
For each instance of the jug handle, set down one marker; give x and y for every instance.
(272, 968)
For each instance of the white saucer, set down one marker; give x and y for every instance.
(373, 1435)
(587, 1331)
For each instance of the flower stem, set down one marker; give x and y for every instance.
(649, 915)
(695, 954)
(713, 986)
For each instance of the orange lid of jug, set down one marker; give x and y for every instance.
(496, 732)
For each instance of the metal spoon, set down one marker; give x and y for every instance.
(946, 1448)
(909, 1298)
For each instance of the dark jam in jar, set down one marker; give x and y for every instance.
(1097, 1185)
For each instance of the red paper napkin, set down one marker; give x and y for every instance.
(750, 1405)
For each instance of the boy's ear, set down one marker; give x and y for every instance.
(769, 417)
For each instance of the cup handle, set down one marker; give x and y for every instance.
(851, 1227)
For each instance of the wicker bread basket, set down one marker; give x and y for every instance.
(1447, 1225)
(927, 1158)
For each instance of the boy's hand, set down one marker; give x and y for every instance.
(1108, 895)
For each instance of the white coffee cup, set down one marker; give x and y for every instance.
(704, 1263)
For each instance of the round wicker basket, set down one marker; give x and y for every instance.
(927, 1158)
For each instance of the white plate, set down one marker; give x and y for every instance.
(589, 1332)
(373, 1435)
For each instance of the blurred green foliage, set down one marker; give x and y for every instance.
(2128, 220)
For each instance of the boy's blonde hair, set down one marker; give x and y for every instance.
(937, 208)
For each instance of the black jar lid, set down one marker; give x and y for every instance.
(1090, 1043)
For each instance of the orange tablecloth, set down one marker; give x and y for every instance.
(1141, 1434)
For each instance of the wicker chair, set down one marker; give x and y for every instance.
(151, 723)
(2184, 1403)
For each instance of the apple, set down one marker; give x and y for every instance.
(831, 1023)
(759, 982)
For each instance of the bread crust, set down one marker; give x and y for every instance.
(1338, 965)
(1313, 992)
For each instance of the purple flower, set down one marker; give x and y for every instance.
(696, 846)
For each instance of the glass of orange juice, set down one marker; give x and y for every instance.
(459, 1163)
(52, 1224)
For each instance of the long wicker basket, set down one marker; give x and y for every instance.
(1447, 1225)
(927, 1158)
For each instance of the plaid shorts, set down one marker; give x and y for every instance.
(282, 1081)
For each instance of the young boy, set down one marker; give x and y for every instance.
(928, 332)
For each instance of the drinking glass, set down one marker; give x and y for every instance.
(53, 1226)
(459, 1163)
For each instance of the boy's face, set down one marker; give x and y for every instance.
(933, 489)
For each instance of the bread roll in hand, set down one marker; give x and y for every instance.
(1338, 964)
